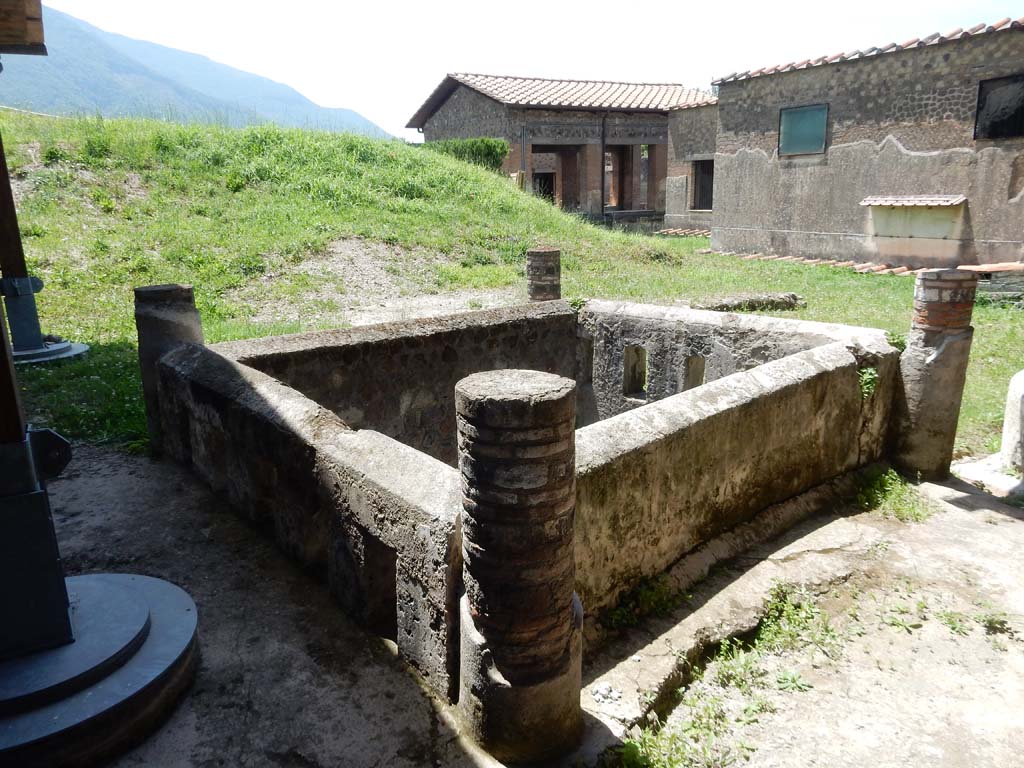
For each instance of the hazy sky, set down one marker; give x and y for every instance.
(383, 58)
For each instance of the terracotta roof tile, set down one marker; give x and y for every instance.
(900, 201)
(564, 94)
(917, 42)
(592, 94)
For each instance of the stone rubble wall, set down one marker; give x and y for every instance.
(672, 336)
(899, 124)
(399, 378)
(327, 492)
(292, 431)
(656, 482)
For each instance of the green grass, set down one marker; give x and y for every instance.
(886, 492)
(108, 205)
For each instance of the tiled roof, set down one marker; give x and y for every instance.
(707, 101)
(933, 39)
(900, 201)
(564, 94)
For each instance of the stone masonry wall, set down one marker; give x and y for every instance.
(655, 483)
(377, 518)
(684, 348)
(399, 378)
(692, 134)
(468, 114)
(899, 124)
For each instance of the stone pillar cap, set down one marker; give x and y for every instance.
(153, 294)
(511, 398)
(946, 274)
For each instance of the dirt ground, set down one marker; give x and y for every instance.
(359, 282)
(930, 670)
(285, 679)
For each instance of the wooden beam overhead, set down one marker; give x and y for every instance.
(21, 27)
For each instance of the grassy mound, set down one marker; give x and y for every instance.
(105, 205)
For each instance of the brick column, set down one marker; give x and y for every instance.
(591, 178)
(165, 316)
(635, 155)
(520, 618)
(544, 273)
(570, 181)
(933, 369)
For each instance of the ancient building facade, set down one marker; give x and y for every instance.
(560, 130)
(911, 154)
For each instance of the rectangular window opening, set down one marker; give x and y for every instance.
(1000, 112)
(703, 184)
(803, 130)
(634, 372)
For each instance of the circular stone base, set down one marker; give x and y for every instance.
(76, 706)
(51, 350)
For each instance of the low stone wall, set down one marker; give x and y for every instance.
(271, 425)
(656, 482)
(378, 518)
(399, 378)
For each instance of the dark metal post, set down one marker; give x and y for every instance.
(19, 288)
(12, 418)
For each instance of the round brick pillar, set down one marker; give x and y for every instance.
(934, 369)
(544, 274)
(165, 316)
(519, 688)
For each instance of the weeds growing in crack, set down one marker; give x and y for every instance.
(888, 493)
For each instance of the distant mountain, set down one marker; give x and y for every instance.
(89, 71)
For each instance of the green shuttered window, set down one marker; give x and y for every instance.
(803, 130)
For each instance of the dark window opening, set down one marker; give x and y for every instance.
(803, 130)
(544, 185)
(703, 184)
(634, 372)
(1000, 108)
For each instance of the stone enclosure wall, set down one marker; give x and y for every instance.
(399, 378)
(900, 123)
(343, 442)
(782, 411)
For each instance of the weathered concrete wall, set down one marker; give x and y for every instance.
(656, 482)
(684, 348)
(333, 497)
(399, 378)
(899, 124)
(692, 135)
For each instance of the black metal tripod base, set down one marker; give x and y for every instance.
(135, 652)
